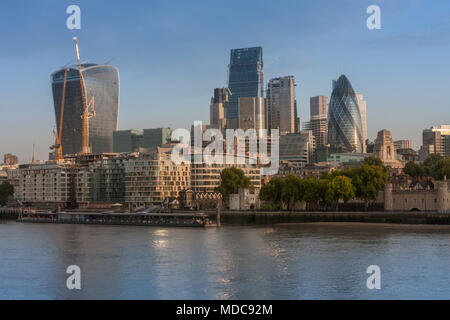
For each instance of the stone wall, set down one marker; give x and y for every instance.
(437, 199)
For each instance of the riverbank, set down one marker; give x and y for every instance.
(275, 217)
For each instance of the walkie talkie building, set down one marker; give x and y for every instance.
(345, 131)
(102, 83)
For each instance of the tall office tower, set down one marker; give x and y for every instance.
(318, 119)
(345, 131)
(217, 108)
(281, 104)
(101, 83)
(363, 111)
(245, 80)
(435, 140)
(318, 107)
(251, 113)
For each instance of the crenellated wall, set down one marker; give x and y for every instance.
(437, 199)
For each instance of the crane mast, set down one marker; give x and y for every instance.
(58, 136)
(87, 114)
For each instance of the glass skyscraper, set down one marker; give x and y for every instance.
(245, 80)
(102, 83)
(345, 130)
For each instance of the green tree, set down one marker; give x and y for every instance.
(231, 179)
(272, 191)
(432, 165)
(368, 181)
(339, 188)
(432, 160)
(373, 161)
(414, 170)
(293, 190)
(442, 169)
(6, 190)
(311, 190)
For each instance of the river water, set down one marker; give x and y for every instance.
(298, 261)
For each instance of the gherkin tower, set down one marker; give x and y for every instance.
(345, 130)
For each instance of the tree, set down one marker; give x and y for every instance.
(442, 169)
(6, 190)
(293, 190)
(339, 188)
(311, 190)
(432, 160)
(414, 170)
(373, 161)
(272, 191)
(368, 181)
(231, 179)
(322, 186)
(432, 165)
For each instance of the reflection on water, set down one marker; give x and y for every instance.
(302, 261)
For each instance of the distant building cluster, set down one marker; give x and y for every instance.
(337, 126)
(137, 180)
(133, 167)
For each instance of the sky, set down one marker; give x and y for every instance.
(172, 54)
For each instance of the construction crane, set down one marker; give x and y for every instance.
(58, 135)
(268, 65)
(87, 114)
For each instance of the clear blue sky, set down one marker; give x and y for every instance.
(172, 54)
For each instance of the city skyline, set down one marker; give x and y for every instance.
(163, 75)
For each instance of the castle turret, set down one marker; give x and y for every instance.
(388, 201)
(442, 195)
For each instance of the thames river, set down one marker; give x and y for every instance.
(301, 261)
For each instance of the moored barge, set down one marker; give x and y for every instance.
(183, 219)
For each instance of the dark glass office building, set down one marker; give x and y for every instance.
(344, 119)
(102, 83)
(245, 79)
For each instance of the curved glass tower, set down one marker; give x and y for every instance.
(344, 118)
(102, 83)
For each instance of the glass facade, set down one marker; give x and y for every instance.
(127, 140)
(156, 137)
(245, 78)
(344, 118)
(132, 140)
(102, 83)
